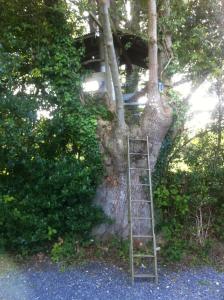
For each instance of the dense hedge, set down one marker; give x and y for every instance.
(189, 197)
(49, 167)
(49, 172)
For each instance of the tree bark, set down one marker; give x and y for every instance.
(157, 115)
(155, 122)
(107, 32)
(165, 53)
(153, 93)
(105, 67)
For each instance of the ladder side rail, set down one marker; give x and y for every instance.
(152, 214)
(130, 214)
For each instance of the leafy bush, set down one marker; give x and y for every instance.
(49, 167)
(49, 174)
(172, 207)
(189, 200)
(67, 250)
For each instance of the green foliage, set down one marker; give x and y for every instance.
(171, 200)
(49, 167)
(189, 200)
(120, 247)
(73, 249)
(67, 250)
(198, 41)
(49, 173)
(172, 207)
(174, 132)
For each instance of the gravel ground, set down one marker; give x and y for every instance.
(98, 281)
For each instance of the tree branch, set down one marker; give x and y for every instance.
(108, 39)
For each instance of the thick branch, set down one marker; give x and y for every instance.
(95, 19)
(165, 53)
(107, 32)
(153, 51)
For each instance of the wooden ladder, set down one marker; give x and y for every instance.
(148, 240)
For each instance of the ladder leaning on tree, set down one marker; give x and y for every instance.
(141, 233)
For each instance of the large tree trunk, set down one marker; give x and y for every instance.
(155, 122)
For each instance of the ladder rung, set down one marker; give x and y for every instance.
(130, 139)
(141, 153)
(143, 255)
(142, 236)
(138, 153)
(144, 275)
(133, 104)
(145, 201)
(141, 218)
(140, 169)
